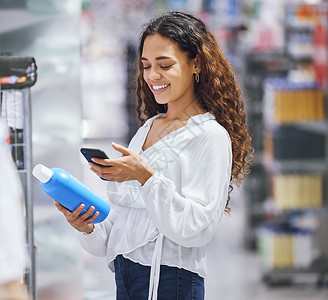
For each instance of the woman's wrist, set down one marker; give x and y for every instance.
(145, 175)
(89, 229)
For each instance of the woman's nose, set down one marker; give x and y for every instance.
(153, 74)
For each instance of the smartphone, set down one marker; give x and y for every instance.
(89, 153)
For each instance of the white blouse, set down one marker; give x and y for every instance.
(171, 218)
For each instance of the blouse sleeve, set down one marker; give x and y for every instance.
(97, 241)
(190, 218)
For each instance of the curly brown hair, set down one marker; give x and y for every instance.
(217, 91)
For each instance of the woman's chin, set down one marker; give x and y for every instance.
(160, 101)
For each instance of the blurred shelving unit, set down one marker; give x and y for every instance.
(296, 163)
(290, 229)
(258, 66)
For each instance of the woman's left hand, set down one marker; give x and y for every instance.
(130, 166)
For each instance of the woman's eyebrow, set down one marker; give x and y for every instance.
(158, 58)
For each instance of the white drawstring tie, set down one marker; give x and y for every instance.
(155, 268)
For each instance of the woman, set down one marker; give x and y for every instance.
(176, 175)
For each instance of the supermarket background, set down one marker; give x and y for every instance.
(274, 245)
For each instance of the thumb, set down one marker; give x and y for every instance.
(120, 148)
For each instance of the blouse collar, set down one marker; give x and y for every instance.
(198, 119)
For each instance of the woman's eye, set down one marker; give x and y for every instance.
(166, 67)
(146, 67)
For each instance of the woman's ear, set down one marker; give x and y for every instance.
(197, 64)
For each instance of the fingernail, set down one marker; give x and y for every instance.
(114, 144)
(82, 205)
(92, 207)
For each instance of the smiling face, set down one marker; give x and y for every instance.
(168, 71)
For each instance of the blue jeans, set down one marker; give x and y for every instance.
(132, 282)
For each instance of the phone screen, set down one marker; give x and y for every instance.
(89, 153)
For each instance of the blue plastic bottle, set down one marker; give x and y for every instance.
(70, 192)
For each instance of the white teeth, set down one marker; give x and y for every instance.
(158, 87)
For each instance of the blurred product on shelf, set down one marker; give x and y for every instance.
(320, 56)
(292, 143)
(301, 14)
(286, 247)
(300, 46)
(306, 37)
(287, 102)
(298, 191)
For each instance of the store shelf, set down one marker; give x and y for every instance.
(314, 127)
(291, 277)
(294, 166)
(317, 127)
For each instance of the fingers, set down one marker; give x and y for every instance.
(79, 209)
(103, 162)
(94, 217)
(102, 172)
(59, 206)
(75, 218)
(122, 149)
(86, 216)
(127, 167)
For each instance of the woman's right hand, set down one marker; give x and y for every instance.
(79, 222)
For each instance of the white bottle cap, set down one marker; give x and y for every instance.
(42, 173)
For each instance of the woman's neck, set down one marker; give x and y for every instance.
(183, 112)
